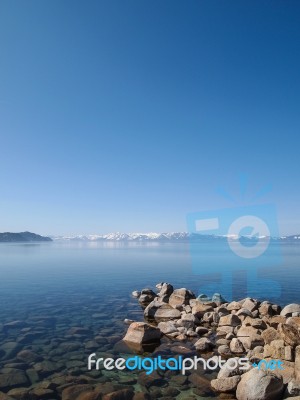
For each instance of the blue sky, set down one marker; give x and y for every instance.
(127, 115)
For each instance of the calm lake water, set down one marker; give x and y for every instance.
(51, 288)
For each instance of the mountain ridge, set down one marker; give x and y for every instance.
(13, 237)
(164, 237)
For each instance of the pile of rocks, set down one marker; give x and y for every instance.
(246, 328)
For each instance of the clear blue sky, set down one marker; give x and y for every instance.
(126, 115)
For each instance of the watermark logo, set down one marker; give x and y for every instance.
(270, 365)
(241, 238)
(179, 363)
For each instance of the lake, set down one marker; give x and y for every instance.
(64, 300)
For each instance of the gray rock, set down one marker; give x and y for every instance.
(167, 327)
(290, 309)
(259, 385)
(161, 311)
(136, 294)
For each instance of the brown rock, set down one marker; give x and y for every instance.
(123, 394)
(276, 320)
(225, 385)
(142, 333)
(180, 297)
(289, 334)
(269, 335)
(230, 320)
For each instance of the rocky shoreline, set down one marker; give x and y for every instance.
(258, 330)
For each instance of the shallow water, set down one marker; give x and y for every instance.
(53, 287)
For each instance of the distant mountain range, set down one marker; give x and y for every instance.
(23, 237)
(164, 237)
(137, 237)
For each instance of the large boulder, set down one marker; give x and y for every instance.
(289, 334)
(225, 385)
(161, 311)
(270, 334)
(250, 337)
(199, 309)
(181, 297)
(230, 320)
(167, 327)
(259, 385)
(147, 295)
(288, 310)
(142, 333)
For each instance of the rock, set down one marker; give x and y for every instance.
(13, 379)
(294, 321)
(211, 317)
(166, 290)
(4, 396)
(203, 344)
(257, 323)
(229, 370)
(180, 297)
(297, 362)
(28, 356)
(136, 294)
(161, 311)
(123, 394)
(167, 327)
(224, 350)
(230, 320)
(290, 309)
(269, 335)
(201, 330)
(266, 309)
(277, 350)
(10, 349)
(244, 312)
(236, 346)
(218, 298)
(74, 391)
(250, 337)
(146, 297)
(203, 298)
(276, 320)
(142, 333)
(250, 304)
(128, 321)
(225, 385)
(259, 385)
(200, 309)
(188, 321)
(293, 388)
(234, 306)
(289, 334)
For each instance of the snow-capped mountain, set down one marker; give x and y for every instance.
(165, 237)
